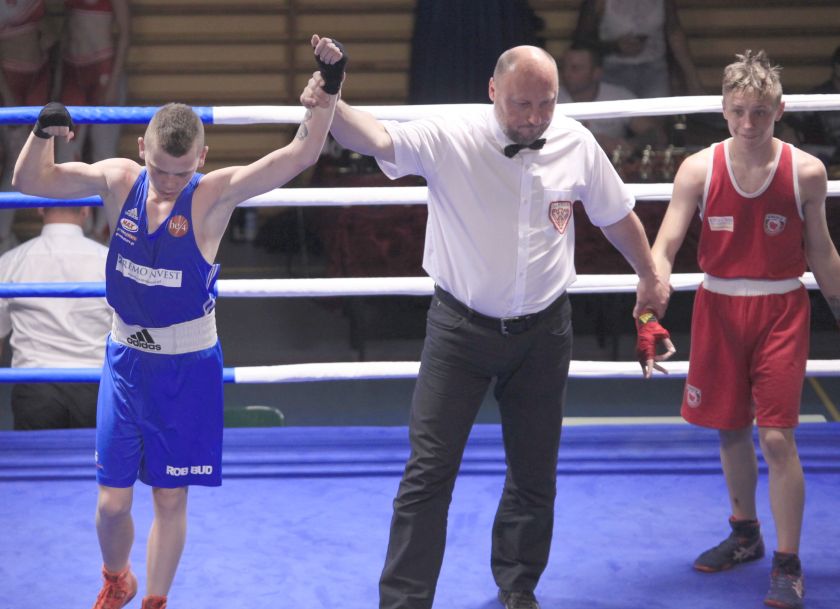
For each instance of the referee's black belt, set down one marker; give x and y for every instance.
(504, 325)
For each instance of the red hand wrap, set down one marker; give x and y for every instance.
(649, 333)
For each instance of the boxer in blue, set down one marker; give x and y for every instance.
(159, 415)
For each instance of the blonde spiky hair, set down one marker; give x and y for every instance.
(753, 73)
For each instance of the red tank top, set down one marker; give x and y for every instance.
(89, 5)
(756, 235)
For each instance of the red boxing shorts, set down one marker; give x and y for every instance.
(747, 361)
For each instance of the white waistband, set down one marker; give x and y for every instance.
(187, 337)
(750, 287)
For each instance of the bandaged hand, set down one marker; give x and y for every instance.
(53, 114)
(331, 58)
(649, 335)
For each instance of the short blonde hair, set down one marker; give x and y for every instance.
(753, 73)
(176, 129)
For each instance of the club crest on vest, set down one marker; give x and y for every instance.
(774, 224)
(693, 396)
(559, 212)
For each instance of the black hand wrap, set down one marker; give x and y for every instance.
(333, 73)
(53, 114)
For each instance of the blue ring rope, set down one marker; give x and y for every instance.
(136, 115)
(61, 289)
(69, 375)
(14, 200)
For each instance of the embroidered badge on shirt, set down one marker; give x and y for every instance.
(718, 223)
(559, 213)
(774, 224)
(693, 396)
(178, 226)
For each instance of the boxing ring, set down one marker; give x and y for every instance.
(302, 518)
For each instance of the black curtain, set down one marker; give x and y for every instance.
(456, 43)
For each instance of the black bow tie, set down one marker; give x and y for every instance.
(512, 149)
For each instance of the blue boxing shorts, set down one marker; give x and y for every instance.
(160, 418)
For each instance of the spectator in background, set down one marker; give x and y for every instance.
(637, 37)
(25, 74)
(24, 81)
(580, 81)
(819, 132)
(55, 332)
(94, 48)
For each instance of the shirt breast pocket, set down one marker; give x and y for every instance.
(558, 209)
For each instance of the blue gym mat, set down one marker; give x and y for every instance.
(302, 521)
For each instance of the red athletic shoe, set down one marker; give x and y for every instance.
(154, 602)
(118, 589)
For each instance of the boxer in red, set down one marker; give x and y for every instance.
(762, 203)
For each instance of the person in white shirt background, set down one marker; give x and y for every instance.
(55, 332)
(638, 38)
(581, 80)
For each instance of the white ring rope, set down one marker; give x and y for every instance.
(302, 373)
(360, 195)
(249, 115)
(417, 195)
(346, 371)
(424, 286)
(657, 106)
(348, 286)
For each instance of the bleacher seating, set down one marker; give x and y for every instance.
(214, 52)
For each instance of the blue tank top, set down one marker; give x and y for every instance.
(158, 279)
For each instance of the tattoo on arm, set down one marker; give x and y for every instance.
(303, 131)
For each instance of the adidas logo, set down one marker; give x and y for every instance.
(132, 213)
(143, 340)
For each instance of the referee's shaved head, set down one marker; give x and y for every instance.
(524, 92)
(518, 56)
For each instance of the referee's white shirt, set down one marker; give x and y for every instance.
(55, 332)
(490, 241)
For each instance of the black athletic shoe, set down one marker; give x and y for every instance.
(744, 544)
(787, 586)
(518, 600)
